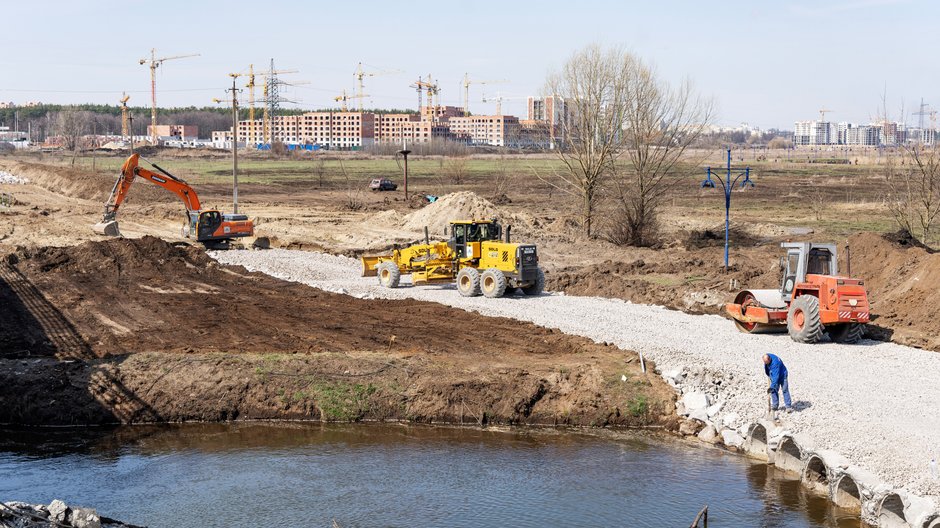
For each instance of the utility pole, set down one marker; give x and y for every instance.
(234, 89)
(404, 152)
(130, 121)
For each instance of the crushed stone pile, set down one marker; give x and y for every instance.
(8, 178)
(874, 402)
(56, 514)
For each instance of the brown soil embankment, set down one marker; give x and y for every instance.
(903, 280)
(144, 330)
(902, 277)
(691, 280)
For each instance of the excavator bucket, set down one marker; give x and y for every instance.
(109, 228)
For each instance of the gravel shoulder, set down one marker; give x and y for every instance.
(874, 402)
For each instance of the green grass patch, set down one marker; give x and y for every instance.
(638, 406)
(342, 401)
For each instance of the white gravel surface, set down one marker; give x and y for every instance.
(878, 404)
(7, 178)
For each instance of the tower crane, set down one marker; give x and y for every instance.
(345, 98)
(499, 101)
(124, 127)
(466, 90)
(154, 64)
(432, 89)
(360, 74)
(822, 114)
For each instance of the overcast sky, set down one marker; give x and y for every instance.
(765, 63)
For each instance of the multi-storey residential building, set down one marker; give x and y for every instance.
(440, 113)
(813, 133)
(498, 131)
(408, 129)
(335, 130)
(552, 110)
(864, 135)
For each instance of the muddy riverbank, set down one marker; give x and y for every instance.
(132, 331)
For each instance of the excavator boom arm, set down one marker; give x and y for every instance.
(130, 170)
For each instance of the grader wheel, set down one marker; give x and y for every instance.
(389, 274)
(537, 287)
(468, 282)
(493, 283)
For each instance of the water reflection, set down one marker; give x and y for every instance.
(364, 475)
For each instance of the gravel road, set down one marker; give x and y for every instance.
(878, 404)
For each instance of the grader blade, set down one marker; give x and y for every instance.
(370, 265)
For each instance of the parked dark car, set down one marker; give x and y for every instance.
(383, 184)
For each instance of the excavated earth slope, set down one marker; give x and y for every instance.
(145, 330)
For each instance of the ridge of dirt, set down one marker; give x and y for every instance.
(691, 280)
(903, 282)
(77, 183)
(136, 330)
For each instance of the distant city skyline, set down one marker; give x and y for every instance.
(765, 65)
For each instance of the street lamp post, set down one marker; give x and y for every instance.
(404, 153)
(727, 185)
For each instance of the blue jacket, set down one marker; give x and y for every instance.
(776, 370)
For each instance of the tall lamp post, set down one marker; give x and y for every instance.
(727, 185)
(404, 153)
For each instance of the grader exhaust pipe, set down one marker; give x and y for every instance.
(508, 230)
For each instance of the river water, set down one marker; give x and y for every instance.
(389, 475)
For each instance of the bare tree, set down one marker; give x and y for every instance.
(779, 143)
(660, 123)
(319, 169)
(500, 181)
(594, 84)
(616, 107)
(456, 169)
(71, 125)
(353, 202)
(914, 190)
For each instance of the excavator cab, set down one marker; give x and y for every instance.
(208, 224)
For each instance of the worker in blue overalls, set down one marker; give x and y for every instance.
(777, 372)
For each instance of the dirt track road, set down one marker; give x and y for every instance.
(875, 403)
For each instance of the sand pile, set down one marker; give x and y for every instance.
(463, 205)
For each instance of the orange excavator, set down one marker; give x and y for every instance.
(209, 227)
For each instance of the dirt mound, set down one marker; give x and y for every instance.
(715, 237)
(155, 331)
(464, 205)
(903, 280)
(147, 256)
(692, 281)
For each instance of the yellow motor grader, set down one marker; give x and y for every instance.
(475, 256)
